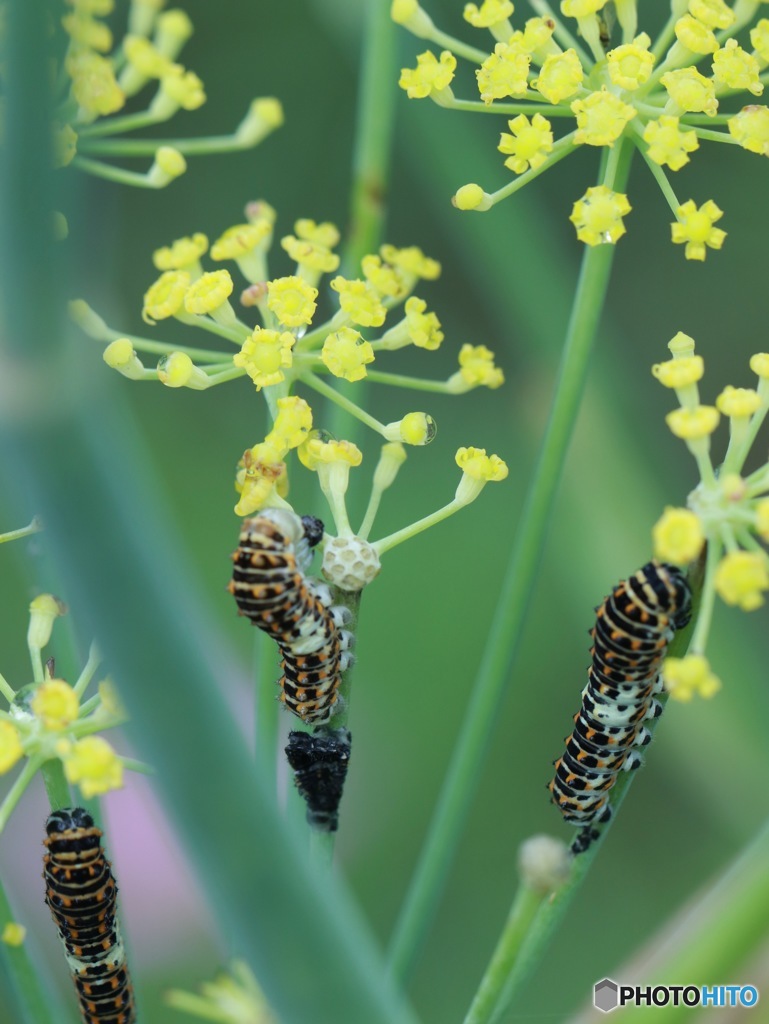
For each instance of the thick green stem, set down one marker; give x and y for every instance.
(33, 1000)
(525, 905)
(371, 158)
(514, 599)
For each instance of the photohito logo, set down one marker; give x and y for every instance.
(608, 995)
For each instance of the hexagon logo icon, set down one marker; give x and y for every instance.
(606, 995)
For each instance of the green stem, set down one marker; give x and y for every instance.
(562, 148)
(704, 133)
(30, 992)
(513, 601)
(705, 613)
(16, 791)
(414, 383)
(373, 137)
(124, 123)
(7, 690)
(348, 406)
(506, 109)
(119, 174)
(56, 785)
(371, 158)
(34, 527)
(525, 906)
(391, 541)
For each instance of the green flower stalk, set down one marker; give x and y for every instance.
(657, 94)
(727, 511)
(99, 76)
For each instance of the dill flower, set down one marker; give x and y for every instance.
(633, 93)
(47, 720)
(98, 77)
(728, 510)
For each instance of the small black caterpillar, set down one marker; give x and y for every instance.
(320, 761)
(271, 588)
(633, 629)
(82, 895)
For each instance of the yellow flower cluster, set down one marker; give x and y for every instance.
(100, 76)
(48, 721)
(728, 512)
(647, 94)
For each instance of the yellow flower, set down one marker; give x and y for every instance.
(694, 227)
(471, 197)
(695, 36)
(182, 87)
(560, 76)
(528, 145)
(759, 37)
(693, 424)
(87, 33)
(316, 452)
(478, 469)
(690, 91)
(630, 65)
(679, 373)
(43, 612)
(93, 84)
(713, 13)
(417, 428)
(209, 292)
(346, 354)
(317, 258)
(601, 118)
(762, 519)
(292, 300)
(424, 327)
(93, 765)
(293, 423)
(735, 68)
(505, 72)
(264, 355)
(325, 234)
(120, 355)
(739, 403)
(740, 578)
(476, 369)
(750, 128)
(412, 261)
(597, 216)
(11, 749)
(678, 536)
(360, 302)
(489, 14)
(183, 253)
(13, 934)
(759, 364)
(165, 297)
(430, 77)
(686, 676)
(233, 997)
(668, 143)
(56, 704)
(177, 370)
(64, 145)
(241, 239)
(385, 279)
(145, 58)
(263, 470)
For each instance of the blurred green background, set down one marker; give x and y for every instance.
(508, 278)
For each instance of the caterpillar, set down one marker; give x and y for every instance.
(319, 761)
(271, 588)
(632, 631)
(82, 896)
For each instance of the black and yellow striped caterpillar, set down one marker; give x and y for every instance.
(633, 629)
(272, 589)
(82, 895)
